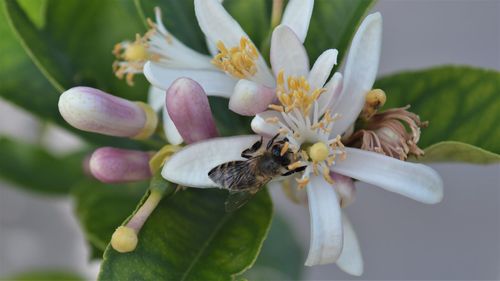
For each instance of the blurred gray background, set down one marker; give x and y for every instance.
(400, 239)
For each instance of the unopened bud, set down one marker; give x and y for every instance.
(189, 110)
(113, 165)
(92, 110)
(250, 98)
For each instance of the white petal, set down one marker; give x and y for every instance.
(261, 127)
(218, 25)
(250, 98)
(350, 259)
(156, 98)
(322, 68)
(212, 49)
(330, 97)
(171, 132)
(297, 16)
(360, 71)
(190, 166)
(416, 181)
(215, 83)
(326, 223)
(288, 53)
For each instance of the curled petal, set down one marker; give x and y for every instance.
(189, 109)
(113, 165)
(214, 82)
(250, 98)
(416, 181)
(360, 72)
(156, 98)
(288, 53)
(297, 16)
(326, 223)
(322, 68)
(190, 166)
(350, 259)
(92, 110)
(261, 123)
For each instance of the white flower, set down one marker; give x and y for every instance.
(236, 57)
(313, 116)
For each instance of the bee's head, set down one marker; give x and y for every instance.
(280, 156)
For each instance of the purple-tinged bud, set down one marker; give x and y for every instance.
(114, 165)
(92, 110)
(189, 110)
(250, 98)
(345, 188)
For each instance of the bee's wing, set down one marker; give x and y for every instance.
(236, 199)
(235, 175)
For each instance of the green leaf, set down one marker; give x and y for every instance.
(453, 151)
(253, 16)
(35, 169)
(333, 25)
(38, 96)
(102, 208)
(228, 123)
(46, 275)
(179, 18)
(190, 237)
(281, 257)
(460, 103)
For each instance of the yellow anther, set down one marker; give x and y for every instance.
(374, 100)
(272, 120)
(124, 239)
(284, 149)
(296, 93)
(276, 107)
(294, 165)
(319, 152)
(302, 182)
(238, 61)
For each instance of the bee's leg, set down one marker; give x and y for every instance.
(247, 153)
(271, 141)
(299, 169)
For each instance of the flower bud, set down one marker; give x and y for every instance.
(92, 110)
(345, 188)
(113, 165)
(189, 110)
(250, 98)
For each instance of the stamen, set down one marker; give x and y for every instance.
(284, 149)
(326, 175)
(295, 165)
(272, 120)
(239, 61)
(302, 182)
(276, 107)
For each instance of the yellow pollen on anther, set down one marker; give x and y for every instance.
(284, 149)
(319, 152)
(295, 92)
(238, 61)
(294, 165)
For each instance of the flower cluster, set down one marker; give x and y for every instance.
(332, 126)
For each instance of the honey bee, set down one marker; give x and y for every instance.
(245, 178)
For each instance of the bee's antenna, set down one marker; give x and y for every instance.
(271, 141)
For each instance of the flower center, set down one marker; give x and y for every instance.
(239, 61)
(318, 152)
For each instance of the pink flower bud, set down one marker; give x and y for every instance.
(92, 110)
(113, 165)
(189, 109)
(250, 98)
(345, 188)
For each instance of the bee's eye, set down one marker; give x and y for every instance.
(276, 151)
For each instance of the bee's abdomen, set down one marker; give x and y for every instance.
(235, 175)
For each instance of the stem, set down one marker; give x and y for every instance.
(140, 217)
(276, 13)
